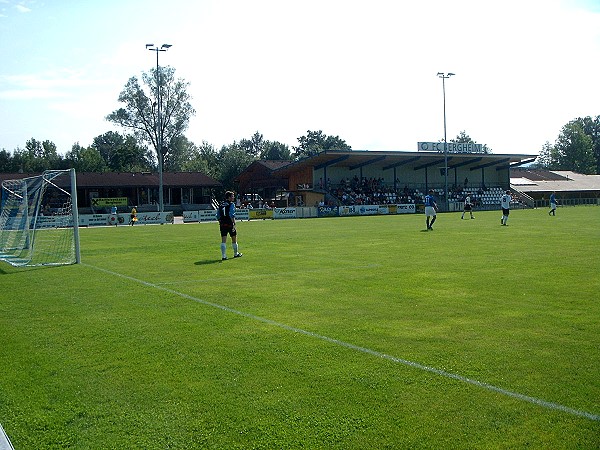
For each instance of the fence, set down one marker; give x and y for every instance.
(545, 203)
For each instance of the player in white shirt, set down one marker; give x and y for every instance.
(505, 204)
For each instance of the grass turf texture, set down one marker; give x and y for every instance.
(153, 342)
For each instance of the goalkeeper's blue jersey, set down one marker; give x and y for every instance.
(226, 212)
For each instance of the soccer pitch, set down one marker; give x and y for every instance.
(336, 333)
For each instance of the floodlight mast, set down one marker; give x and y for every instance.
(444, 77)
(163, 48)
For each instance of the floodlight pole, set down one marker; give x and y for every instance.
(444, 76)
(162, 48)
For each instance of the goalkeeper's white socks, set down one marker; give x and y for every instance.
(223, 250)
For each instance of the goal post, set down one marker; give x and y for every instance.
(5, 443)
(39, 224)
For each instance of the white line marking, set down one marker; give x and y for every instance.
(443, 373)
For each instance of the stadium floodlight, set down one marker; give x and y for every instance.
(445, 76)
(39, 224)
(159, 131)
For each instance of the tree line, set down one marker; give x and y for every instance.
(118, 152)
(577, 148)
(156, 113)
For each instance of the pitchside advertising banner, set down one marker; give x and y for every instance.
(327, 211)
(370, 210)
(292, 213)
(91, 220)
(110, 201)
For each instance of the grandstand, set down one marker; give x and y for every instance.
(335, 177)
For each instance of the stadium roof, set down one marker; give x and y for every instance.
(532, 180)
(354, 159)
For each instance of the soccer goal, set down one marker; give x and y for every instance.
(39, 221)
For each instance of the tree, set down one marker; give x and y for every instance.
(257, 147)
(591, 127)
(203, 159)
(274, 150)
(548, 158)
(140, 114)
(253, 146)
(7, 162)
(122, 153)
(315, 142)
(232, 160)
(574, 149)
(85, 159)
(37, 156)
(181, 150)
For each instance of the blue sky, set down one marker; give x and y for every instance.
(361, 70)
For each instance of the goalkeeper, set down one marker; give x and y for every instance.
(226, 218)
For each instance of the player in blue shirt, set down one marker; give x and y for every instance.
(552, 211)
(430, 209)
(226, 218)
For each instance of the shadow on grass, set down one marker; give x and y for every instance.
(207, 261)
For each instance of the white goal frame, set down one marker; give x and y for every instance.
(39, 220)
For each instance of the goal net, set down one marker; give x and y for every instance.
(38, 220)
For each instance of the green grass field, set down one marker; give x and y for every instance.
(337, 333)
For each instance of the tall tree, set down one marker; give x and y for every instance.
(315, 142)
(574, 149)
(140, 113)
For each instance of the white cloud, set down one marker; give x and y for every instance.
(22, 8)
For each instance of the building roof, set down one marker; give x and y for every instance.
(389, 159)
(262, 174)
(124, 179)
(536, 180)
